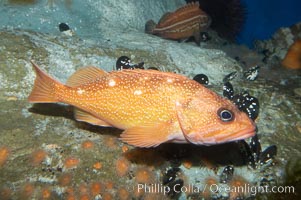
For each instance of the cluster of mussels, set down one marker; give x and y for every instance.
(250, 105)
(244, 101)
(124, 62)
(255, 157)
(171, 179)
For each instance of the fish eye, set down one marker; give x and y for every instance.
(225, 115)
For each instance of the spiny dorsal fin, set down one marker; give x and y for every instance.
(188, 6)
(164, 17)
(85, 75)
(83, 116)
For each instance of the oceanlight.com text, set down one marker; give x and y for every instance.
(214, 188)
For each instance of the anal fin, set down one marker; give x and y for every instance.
(148, 135)
(83, 116)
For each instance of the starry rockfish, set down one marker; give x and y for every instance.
(183, 23)
(152, 107)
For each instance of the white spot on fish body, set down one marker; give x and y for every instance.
(80, 91)
(112, 82)
(137, 92)
(169, 80)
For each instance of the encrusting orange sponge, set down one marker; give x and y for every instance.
(292, 59)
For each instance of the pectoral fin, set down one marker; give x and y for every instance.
(149, 135)
(84, 116)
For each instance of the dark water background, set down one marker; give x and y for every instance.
(265, 17)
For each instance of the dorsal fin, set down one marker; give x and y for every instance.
(85, 75)
(189, 6)
(164, 17)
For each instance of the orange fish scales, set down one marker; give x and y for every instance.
(151, 107)
(129, 102)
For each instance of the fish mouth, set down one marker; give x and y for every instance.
(239, 135)
(224, 138)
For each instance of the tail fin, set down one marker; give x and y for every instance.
(44, 87)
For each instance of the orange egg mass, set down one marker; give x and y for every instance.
(4, 152)
(70, 194)
(187, 164)
(65, 179)
(123, 194)
(88, 144)
(110, 142)
(71, 197)
(71, 162)
(96, 188)
(138, 192)
(109, 185)
(107, 196)
(124, 148)
(5, 193)
(238, 183)
(122, 166)
(144, 175)
(292, 59)
(83, 189)
(27, 191)
(37, 157)
(97, 165)
(84, 197)
(46, 193)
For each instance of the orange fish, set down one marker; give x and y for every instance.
(187, 21)
(152, 107)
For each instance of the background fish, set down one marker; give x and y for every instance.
(157, 107)
(183, 23)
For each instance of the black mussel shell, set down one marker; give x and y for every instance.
(153, 68)
(264, 182)
(247, 104)
(229, 77)
(139, 65)
(268, 154)
(202, 79)
(227, 174)
(170, 175)
(63, 27)
(247, 154)
(175, 188)
(228, 91)
(123, 62)
(255, 147)
(204, 36)
(252, 73)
